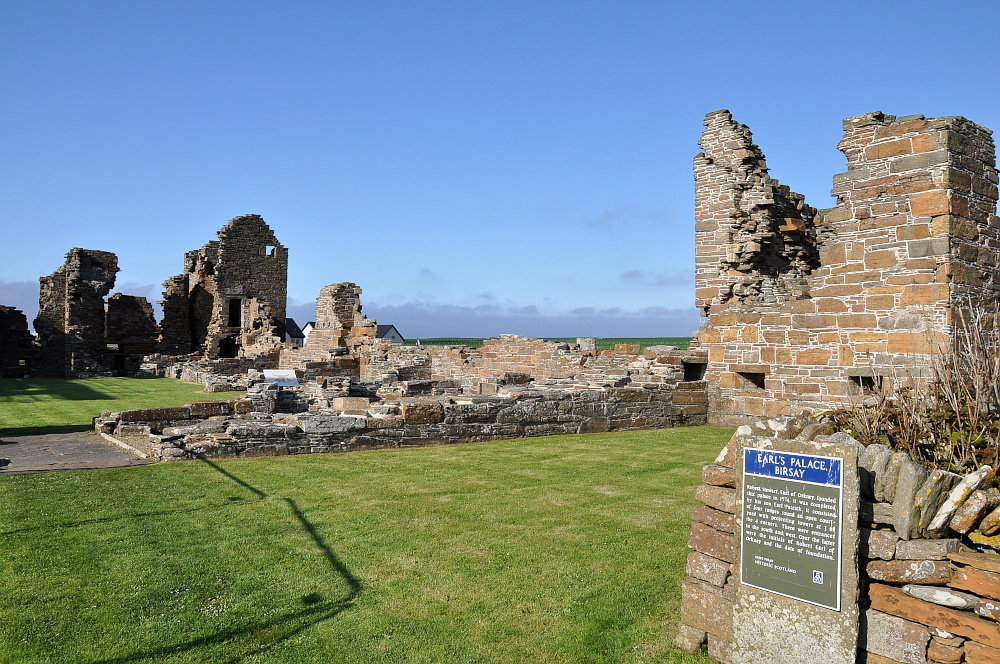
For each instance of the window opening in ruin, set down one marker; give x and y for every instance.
(269, 250)
(866, 384)
(755, 379)
(694, 370)
(235, 313)
(228, 349)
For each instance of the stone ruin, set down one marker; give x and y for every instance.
(807, 309)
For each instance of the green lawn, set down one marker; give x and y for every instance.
(57, 405)
(561, 549)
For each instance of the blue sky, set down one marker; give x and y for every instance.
(476, 167)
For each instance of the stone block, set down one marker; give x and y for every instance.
(927, 549)
(916, 343)
(985, 561)
(977, 653)
(934, 246)
(156, 414)
(946, 597)
(889, 149)
(911, 477)
(718, 475)
(690, 639)
(893, 637)
(990, 525)
(712, 542)
(929, 203)
(893, 601)
(877, 544)
(957, 497)
(704, 607)
(929, 499)
(929, 572)
(980, 582)
(878, 260)
(941, 653)
(707, 568)
(814, 356)
(924, 295)
(988, 609)
(350, 403)
(720, 498)
(422, 412)
(916, 161)
(721, 521)
(201, 409)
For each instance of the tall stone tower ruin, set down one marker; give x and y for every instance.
(70, 322)
(230, 299)
(807, 309)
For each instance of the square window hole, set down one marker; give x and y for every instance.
(752, 379)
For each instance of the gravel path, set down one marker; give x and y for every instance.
(84, 450)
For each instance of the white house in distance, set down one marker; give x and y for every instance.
(384, 332)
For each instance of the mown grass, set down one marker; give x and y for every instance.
(56, 405)
(561, 549)
(603, 343)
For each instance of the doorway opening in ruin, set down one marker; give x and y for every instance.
(235, 313)
(228, 348)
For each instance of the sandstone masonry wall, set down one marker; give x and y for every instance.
(70, 322)
(929, 557)
(16, 343)
(231, 296)
(805, 308)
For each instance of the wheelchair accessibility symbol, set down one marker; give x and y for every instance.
(817, 577)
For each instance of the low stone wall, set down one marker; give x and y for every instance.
(255, 426)
(928, 556)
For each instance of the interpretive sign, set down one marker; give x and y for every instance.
(791, 525)
(283, 377)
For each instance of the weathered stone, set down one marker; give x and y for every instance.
(971, 512)
(707, 568)
(422, 412)
(156, 414)
(885, 484)
(705, 607)
(721, 498)
(980, 582)
(985, 561)
(958, 495)
(944, 654)
(990, 525)
(871, 464)
(877, 544)
(977, 653)
(718, 475)
(690, 639)
(893, 637)
(929, 572)
(722, 521)
(929, 499)
(911, 478)
(942, 597)
(712, 542)
(988, 609)
(924, 549)
(993, 541)
(963, 623)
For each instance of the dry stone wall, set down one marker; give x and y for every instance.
(806, 309)
(929, 556)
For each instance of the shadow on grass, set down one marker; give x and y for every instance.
(42, 431)
(27, 390)
(264, 635)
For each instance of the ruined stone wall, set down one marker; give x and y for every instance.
(130, 331)
(267, 422)
(806, 309)
(926, 594)
(16, 343)
(231, 297)
(70, 322)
